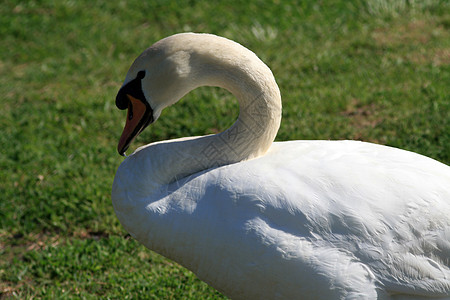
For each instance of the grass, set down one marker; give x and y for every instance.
(377, 71)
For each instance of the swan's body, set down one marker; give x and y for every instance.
(285, 220)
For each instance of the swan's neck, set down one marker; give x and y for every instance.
(242, 73)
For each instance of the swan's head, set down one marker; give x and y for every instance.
(175, 65)
(158, 78)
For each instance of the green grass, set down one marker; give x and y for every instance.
(370, 70)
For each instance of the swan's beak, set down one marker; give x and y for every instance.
(139, 116)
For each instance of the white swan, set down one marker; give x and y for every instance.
(284, 220)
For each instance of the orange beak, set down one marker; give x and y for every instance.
(138, 117)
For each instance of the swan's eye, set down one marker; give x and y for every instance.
(133, 88)
(140, 75)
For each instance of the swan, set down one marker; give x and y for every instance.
(258, 219)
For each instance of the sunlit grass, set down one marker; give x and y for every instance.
(369, 70)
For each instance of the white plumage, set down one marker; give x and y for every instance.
(283, 220)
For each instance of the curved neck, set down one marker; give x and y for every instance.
(242, 73)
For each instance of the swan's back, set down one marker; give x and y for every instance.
(366, 220)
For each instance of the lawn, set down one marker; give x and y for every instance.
(375, 70)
